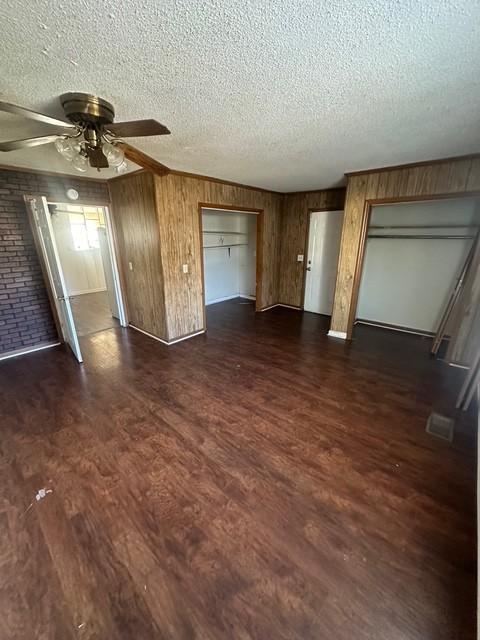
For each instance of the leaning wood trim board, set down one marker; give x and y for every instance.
(442, 179)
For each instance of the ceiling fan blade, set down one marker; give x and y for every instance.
(97, 158)
(138, 157)
(12, 145)
(34, 115)
(137, 128)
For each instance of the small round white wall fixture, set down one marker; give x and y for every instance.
(72, 194)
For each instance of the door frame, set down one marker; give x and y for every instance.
(307, 238)
(112, 243)
(259, 248)
(112, 248)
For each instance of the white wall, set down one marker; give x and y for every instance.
(229, 274)
(83, 270)
(407, 282)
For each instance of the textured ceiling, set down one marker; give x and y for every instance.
(282, 94)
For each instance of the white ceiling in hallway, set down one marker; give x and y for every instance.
(282, 94)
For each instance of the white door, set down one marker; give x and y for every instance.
(40, 216)
(322, 260)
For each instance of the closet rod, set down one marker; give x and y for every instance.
(419, 237)
(227, 246)
(424, 226)
(227, 233)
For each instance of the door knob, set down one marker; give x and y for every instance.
(309, 269)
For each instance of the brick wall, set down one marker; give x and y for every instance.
(25, 316)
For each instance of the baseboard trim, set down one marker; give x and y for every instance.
(146, 333)
(171, 342)
(395, 327)
(280, 304)
(23, 352)
(237, 295)
(187, 337)
(337, 334)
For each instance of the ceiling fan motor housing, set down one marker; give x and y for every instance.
(83, 108)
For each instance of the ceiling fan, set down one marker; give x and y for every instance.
(90, 136)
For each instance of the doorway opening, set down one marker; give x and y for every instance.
(414, 254)
(323, 250)
(230, 261)
(77, 253)
(83, 245)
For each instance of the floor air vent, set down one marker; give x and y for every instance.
(440, 426)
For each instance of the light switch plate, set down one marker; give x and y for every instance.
(185, 268)
(130, 266)
(300, 257)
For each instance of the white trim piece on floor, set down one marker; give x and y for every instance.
(391, 327)
(150, 335)
(23, 352)
(268, 308)
(337, 334)
(279, 304)
(191, 335)
(167, 344)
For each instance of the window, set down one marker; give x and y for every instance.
(84, 224)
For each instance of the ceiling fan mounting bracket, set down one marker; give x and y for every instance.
(83, 108)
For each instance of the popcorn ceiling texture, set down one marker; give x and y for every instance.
(281, 94)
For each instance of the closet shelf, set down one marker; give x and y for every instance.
(227, 246)
(227, 233)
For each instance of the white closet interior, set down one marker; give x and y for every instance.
(229, 254)
(414, 254)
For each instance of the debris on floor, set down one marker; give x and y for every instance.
(42, 494)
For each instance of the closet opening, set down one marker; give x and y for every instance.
(415, 253)
(230, 258)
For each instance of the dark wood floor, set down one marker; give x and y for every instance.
(91, 313)
(262, 481)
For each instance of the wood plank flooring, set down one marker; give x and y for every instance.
(260, 482)
(91, 313)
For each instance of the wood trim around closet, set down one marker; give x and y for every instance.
(369, 203)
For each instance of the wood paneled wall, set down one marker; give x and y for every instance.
(178, 199)
(158, 227)
(135, 220)
(451, 177)
(294, 235)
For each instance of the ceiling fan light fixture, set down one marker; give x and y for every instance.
(80, 162)
(93, 138)
(114, 154)
(121, 167)
(69, 148)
